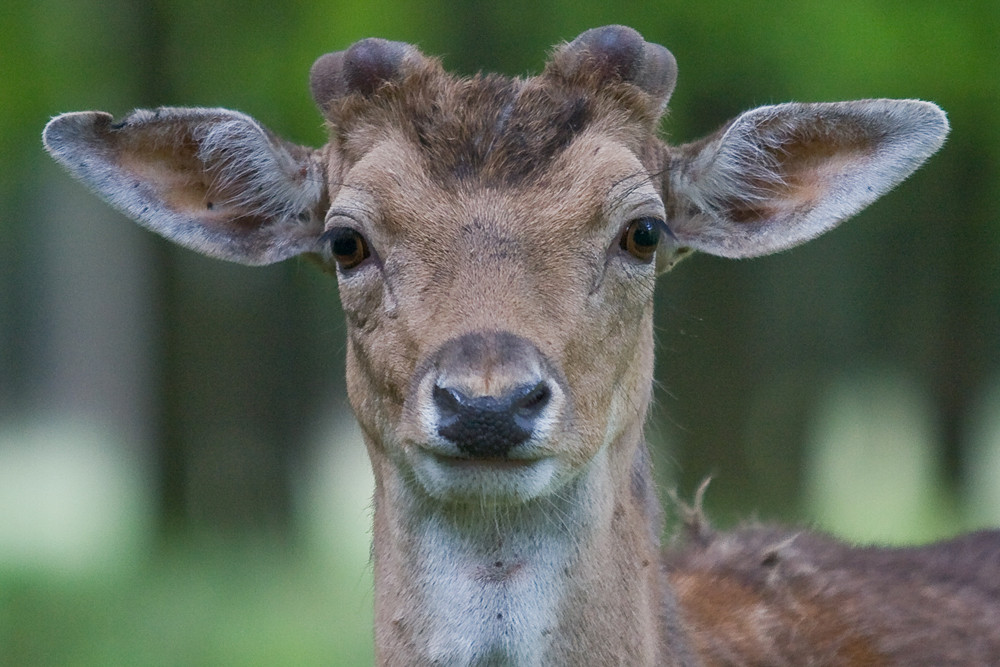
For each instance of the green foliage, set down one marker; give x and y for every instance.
(201, 603)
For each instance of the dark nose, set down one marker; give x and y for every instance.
(490, 426)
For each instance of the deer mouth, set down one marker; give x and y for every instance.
(451, 477)
(491, 463)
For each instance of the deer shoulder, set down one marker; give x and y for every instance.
(767, 594)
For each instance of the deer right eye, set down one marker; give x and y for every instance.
(348, 247)
(641, 238)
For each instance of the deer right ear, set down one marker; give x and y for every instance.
(213, 180)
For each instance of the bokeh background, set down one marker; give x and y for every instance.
(180, 481)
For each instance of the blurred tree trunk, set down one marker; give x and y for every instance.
(169, 449)
(232, 364)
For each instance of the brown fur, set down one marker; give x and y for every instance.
(771, 595)
(490, 129)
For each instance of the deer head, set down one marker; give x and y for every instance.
(496, 243)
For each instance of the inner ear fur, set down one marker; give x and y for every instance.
(213, 180)
(780, 175)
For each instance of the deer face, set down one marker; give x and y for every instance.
(498, 337)
(495, 244)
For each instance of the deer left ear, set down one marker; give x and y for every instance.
(212, 180)
(778, 176)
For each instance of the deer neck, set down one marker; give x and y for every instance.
(574, 578)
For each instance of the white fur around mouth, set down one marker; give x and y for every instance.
(447, 477)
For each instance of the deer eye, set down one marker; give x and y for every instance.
(641, 238)
(347, 246)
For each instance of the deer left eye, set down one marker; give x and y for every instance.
(348, 247)
(641, 238)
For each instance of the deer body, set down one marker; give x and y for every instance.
(497, 242)
(769, 595)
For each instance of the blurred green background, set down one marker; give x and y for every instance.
(180, 482)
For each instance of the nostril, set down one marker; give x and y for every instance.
(448, 402)
(535, 399)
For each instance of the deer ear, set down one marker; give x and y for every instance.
(778, 176)
(618, 53)
(213, 180)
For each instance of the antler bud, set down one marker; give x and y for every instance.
(363, 68)
(616, 52)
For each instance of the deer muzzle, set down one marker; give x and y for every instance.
(489, 409)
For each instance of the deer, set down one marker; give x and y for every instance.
(496, 242)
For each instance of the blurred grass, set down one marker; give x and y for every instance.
(106, 591)
(201, 602)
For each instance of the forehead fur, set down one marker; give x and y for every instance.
(491, 129)
(594, 176)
